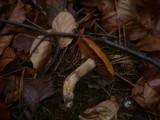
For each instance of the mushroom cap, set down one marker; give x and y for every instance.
(91, 50)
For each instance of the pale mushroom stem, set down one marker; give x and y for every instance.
(73, 78)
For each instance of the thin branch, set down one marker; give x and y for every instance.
(60, 34)
(44, 32)
(130, 51)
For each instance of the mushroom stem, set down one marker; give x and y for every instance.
(73, 78)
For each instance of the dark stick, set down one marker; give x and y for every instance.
(130, 51)
(39, 30)
(65, 5)
(53, 34)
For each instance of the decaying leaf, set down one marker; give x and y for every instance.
(18, 15)
(36, 91)
(64, 22)
(149, 43)
(8, 56)
(146, 96)
(42, 53)
(106, 110)
(116, 14)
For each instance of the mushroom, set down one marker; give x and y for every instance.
(95, 59)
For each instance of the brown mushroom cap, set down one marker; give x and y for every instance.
(91, 50)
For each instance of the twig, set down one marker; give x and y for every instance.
(125, 80)
(65, 5)
(51, 63)
(112, 44)
(39, 30)
(130, 51)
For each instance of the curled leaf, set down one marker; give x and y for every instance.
(42, 53)
(64, 22)
(106, 110)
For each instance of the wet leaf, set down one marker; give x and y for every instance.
(8, 56)
(106, 110)
(42, 53)
(64, 22)
(36, 91)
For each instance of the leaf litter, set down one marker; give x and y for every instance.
(26, 54)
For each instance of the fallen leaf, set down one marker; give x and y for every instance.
(42, 53)
(137, 33)
(119, 15)
(150, 43)
(147, 20)
(8, 56)
(106, 110)
(22, 42)
(64, 22)
(18, 15)
(146, 96)
(36, 91)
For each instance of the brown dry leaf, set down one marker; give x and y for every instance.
(106, 110)
(36, 91)
(116, 14)
(137, 32)
(150, 43)
(42, 53)
(18, 15)
(146, 96)
(8, 56)
(64, 22)
(147, 20)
